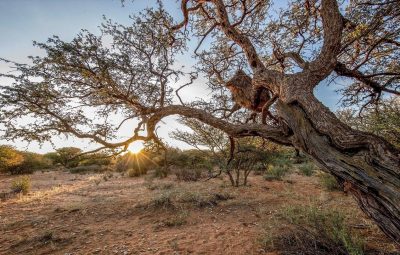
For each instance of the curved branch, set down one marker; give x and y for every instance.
(273, 133)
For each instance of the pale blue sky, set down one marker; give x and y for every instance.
(22, 21)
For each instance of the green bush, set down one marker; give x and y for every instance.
(17, 162)
(68, 156)
(33, 161)
(329, 182)
(185, 174)
(307, 169)
(21, 185)
(326, 227)
(275, 173)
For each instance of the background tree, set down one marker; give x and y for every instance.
(212, 142)
(9, 158)
(68, 156)
(383, 120)
(236, 162)
(269, 64)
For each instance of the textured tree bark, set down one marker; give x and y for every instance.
(365, 165)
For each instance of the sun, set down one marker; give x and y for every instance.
(136, 147)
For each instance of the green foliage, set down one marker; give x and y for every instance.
(307, 169)
(33, 161)
(275, 173)
(68, 156)
(9, 158)
(329, 182)
(21, 185)
(326, 225)
(382, 120)
(188, 158)
(53, 157)
(18, 162)
(280, 165)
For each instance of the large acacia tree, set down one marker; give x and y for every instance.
(257, 63)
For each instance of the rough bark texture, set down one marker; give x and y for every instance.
(365, 165)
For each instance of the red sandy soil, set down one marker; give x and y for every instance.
(98, 214)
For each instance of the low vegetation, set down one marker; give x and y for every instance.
(329, 182)
(307, 169)
(313, 230)
(21, 185)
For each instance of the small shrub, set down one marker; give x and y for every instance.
(329, 182)
(162, 201)
(136, 172)
(184, 174)
(21, 185)
(306, 169)
(177, 220)
(320, 230)
(275, 172)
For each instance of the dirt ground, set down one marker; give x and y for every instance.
(112, 214)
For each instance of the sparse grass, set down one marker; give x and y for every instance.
(314, 231)
(307, 169)
(21, 185)
(203, 200)
(329, 182)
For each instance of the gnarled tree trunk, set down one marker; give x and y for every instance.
(365, 165)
